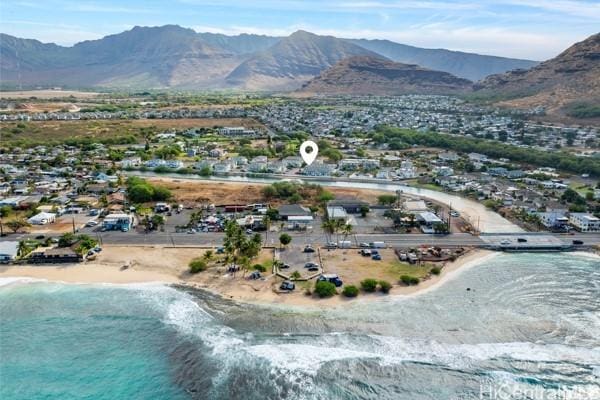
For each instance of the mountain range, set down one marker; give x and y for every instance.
(174, 57)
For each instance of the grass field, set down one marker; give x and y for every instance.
(42, 132)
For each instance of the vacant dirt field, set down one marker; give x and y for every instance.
(192, 191)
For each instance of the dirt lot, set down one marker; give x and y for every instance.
(353, 268)
(189, 190)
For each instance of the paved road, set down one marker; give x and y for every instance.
(216, 239)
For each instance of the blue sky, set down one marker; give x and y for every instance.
(533, 29)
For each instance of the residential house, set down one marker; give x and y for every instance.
(318, 169)
(8, 251)
(554, 220)
(349, 204)
(584, 222)
(42, 218)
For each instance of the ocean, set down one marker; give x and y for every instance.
(518, 326)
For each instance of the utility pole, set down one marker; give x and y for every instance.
(73, 221)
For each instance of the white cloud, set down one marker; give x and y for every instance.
(92, 7)
(583, 9)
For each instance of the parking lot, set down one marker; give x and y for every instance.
(374, 221)
(296, 258)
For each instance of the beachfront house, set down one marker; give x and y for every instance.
(584, 222)
(8, 251)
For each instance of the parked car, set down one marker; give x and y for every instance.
(454, 214)
(313, 269)
(331, 278)
(285, 266)
(505, 242)
(97, 249)
(287, 285)
(40, 237)
(309, 249)
(331, 245)
(376, 257)
(220, 250)
(578, 242)
(254, 275)
(364, 245)
(365, 252)
(249, 231)
(311, 265)
(91, 223)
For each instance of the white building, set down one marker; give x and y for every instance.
(8, 251)
(584, 222)
(42, 218)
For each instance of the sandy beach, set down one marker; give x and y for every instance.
(127, 265)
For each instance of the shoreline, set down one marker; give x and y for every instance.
(226, 287)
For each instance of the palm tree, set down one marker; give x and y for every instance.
(339, 225)
(267, 223)
(22, 249)
(329, 226)
(347, 230)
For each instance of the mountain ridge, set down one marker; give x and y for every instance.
(170, 56)
(572, 76)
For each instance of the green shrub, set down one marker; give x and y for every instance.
(385, 286)
(324, 289)
(259, 267)
(369, 285)
(197, 265)
(350, 291)
(409, 280)
(295, 275)
(436, 270)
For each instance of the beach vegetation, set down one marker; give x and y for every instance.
(325, 289)
(198, 265)
(350, 291)
(409, 280)
(369, 285)
(385, 286)
(295, 275)
(436, 270)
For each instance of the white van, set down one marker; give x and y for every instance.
(344, 244)
(377, 245)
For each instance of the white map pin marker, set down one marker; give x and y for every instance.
(309, 157)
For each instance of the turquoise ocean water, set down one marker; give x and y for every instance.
(528, 328)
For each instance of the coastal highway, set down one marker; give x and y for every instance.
(216, 239)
